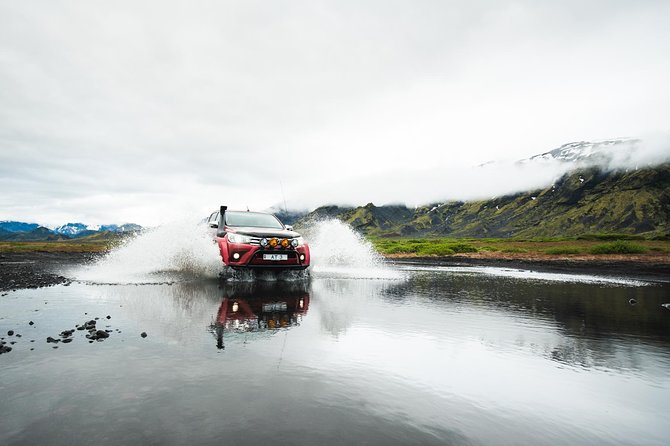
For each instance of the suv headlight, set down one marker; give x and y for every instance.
(238, 238)
(298, 241)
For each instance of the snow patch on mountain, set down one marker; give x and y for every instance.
(71, 229)
(612, 154)
(590, 153)
(75, 229)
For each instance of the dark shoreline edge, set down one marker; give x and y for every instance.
(42, 269)
(21, 270)
(635, 270)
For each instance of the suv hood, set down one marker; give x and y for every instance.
(263, 232)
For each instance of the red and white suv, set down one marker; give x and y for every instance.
(257, 240)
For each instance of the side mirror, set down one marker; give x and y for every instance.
(289, 228)
(213, 225)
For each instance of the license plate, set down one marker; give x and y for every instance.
(275, 256)
(275, 306)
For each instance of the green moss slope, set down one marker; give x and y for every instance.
(583, 202)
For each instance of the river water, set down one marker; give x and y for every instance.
(359, 352)
(422, 355)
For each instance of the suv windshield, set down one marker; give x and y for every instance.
(252, 219)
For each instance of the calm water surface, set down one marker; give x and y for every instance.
(442, 356)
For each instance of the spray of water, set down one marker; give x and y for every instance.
(184, 250)
(338, 251)
(175, 251)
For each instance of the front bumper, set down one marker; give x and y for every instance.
(238, 255)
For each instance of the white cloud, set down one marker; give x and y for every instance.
(115, 111)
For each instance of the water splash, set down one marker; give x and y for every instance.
(339, 252)
(175, 251)
(184, 250)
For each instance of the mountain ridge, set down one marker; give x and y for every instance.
(589, 200)
(11, 230)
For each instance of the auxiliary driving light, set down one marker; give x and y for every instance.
(236, 306)
(294, 242)
(284, 243)
(274, 242)
(236, 256)
(264, 242)
(302, 257)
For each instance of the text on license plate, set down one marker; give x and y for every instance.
(275, 256)
(274, 306)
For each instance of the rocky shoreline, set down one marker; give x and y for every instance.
(20, 270)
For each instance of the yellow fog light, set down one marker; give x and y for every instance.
(273, 242)
(285, 243)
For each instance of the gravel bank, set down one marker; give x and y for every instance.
(37, 269)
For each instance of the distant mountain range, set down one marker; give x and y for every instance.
(21, 231)
(80, 229)
(17, 226)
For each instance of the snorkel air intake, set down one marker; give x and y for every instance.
(222, 221)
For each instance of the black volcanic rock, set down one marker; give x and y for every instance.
(35, 269)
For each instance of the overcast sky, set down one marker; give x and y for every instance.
(118, 111)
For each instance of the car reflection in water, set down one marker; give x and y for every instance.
(260, 307)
